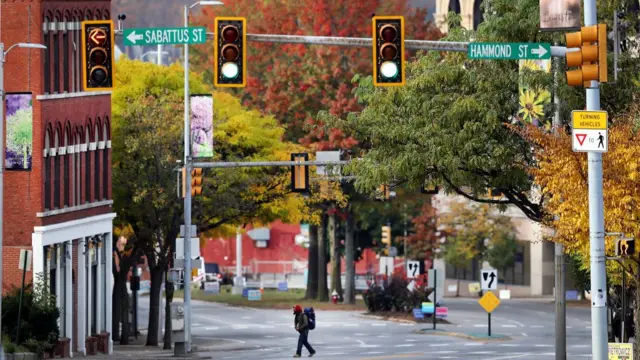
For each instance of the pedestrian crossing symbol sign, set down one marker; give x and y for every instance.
(489, 301)
(589, 131)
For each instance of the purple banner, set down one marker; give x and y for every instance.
(19, 136)
(202, 125)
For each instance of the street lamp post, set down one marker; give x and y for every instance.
(3, 56)
(187, 180)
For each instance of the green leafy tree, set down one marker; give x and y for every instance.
(448, 124)
(147, 142)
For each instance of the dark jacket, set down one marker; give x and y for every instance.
(301, 322)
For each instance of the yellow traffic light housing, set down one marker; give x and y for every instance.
(386, 235)
(300, 173)
(384, 193)
(97, 55)
(591, 58)
(388, 50)
(196, 181)
(230, 52)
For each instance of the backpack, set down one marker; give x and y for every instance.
(311, 315)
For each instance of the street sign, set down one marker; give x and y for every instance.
(474, 287)
(413, 269)
(212, 287)
(283, 286)
(442, 312)
(25, 260)
(428, 307)
(489, 301)
(589, 131)
(165, 36)
(489, 279)
(254, 295)
(620, 351)
(509, 51)
(418, 314)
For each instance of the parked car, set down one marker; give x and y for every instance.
(212, 271)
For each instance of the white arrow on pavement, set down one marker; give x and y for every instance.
(133, 37)
(540, 51)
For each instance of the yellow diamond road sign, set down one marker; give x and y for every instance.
(489, 301)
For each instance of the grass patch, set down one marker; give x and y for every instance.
(271, 299)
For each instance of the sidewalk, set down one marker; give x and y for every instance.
(136, 350)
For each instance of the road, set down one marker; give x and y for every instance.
(268, 334)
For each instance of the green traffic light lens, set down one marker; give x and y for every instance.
(230, 70)
(389, 69)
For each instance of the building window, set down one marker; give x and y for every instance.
(47, 173)
(65, 58)
(87, 171)
(56, 171)
(105, 163)
(454, 5)
(47, 64)
(78, 178)
(67, 169)
(56, 61)
(478, 16)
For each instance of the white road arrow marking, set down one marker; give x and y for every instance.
(540, 51)
(133, 37)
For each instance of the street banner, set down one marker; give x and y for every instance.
(559, 14)
(533, 100)
(202, 125)
(19, 125)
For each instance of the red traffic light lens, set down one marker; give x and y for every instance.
(230, 33)
(230, 52)
(98, 75)
(388, 51)
(98, 56)
(388, 33)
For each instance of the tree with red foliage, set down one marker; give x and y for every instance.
(423, 241)
(294, 82)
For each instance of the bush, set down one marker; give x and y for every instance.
(392, 295)
(39, 318)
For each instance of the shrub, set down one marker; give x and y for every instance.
(9, 348)
(392, 295)
(39, 317)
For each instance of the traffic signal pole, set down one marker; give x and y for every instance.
(599, 338)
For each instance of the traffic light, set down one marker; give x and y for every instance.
(300, 174)
(495, 193)
(196, 181)
(388, 51)
(428, 188)
(98, 55)
(625, 247)
(591, 58)
(230, 52)
(386, 235)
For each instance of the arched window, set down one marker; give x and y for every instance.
(47, 170)
(78, 177)
(56, 169)
(478, 15)
(56, 54)
(66, 79)
(67, 168)
(96, 167)
(105, 160)
(87, 166)
(47, 61)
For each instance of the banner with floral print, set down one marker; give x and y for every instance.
(19, 125)
(202, 125)
(532, 100)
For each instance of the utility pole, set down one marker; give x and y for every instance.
(405, 235)
(599, 338)
(561, 305)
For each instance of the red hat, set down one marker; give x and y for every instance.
(297, 309)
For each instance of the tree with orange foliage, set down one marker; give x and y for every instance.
(562, 177)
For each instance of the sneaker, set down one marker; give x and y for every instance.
(313, 353)
(297, 355)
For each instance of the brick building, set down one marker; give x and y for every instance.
(61, 207)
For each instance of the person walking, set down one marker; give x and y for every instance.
(301, 322)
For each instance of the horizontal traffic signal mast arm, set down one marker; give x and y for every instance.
(236, 164)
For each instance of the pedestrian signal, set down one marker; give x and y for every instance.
(300, 173)
(625, 247)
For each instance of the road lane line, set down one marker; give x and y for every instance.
(508, 326)
(524, 334)
(481, 325)
(536, 326)
(543, 345)
(405, 345)
(518, 323)
(473, 344)
(445, 344)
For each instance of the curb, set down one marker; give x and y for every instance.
(493, 338)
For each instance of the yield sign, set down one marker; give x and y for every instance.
(581, 138)
(98, 36)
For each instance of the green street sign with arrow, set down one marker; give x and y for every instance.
(509, 51)
(165, 36)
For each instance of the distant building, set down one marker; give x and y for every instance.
(469, 10)
(57, 201)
